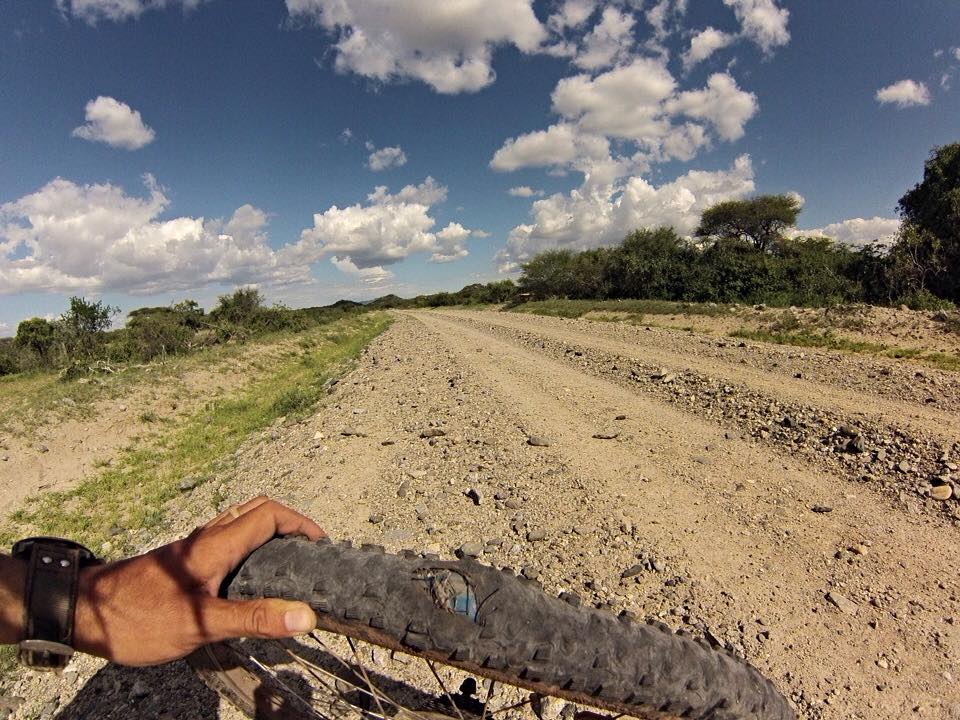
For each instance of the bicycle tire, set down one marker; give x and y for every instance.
(494, 624)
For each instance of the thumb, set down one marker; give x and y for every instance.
(265, 618)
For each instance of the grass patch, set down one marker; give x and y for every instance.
(8, 659)
(26, 399)
(133, 491)
(578, 308)
(805, 338)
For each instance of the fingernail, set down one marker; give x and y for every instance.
(300, 620)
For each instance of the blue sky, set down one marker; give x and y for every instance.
(152, 150)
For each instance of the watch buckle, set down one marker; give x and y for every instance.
(44, 654)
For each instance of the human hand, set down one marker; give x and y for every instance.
(162, 605)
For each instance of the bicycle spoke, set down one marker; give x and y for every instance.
(510, 707)
(376, 693)
(487, 700)
(276, 678)
(443, 687)
(373, 692)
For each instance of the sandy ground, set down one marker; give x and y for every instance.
(64, 445)
(727, 515)
(895, 327)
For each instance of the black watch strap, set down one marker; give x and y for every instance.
(50, 599)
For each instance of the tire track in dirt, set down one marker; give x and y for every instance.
(751, 550)
(727, 523)
(826, 392)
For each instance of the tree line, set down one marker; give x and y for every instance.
(741, 252)
(81, 338)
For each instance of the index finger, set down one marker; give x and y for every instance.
(237, 539)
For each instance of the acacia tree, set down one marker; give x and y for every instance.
(83, 326)
(932, 207)
(37, 335)
(760, 220)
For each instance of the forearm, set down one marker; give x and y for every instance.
(12, 577)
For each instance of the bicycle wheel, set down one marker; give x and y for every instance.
(476, 620)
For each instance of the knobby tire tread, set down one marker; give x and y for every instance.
(518, 635)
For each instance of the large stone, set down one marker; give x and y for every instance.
(941, 492)
(470, 549)
(843, 604)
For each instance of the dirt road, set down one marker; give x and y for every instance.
(721, 517)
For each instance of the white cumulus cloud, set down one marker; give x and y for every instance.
(447, 45)
(375, 275)
(609, 42)
(904, 93)
(92, 11)
(557, 145)
(857, 232)
(762, 21)
(704, 44)
(386, 158)
(429, 192)
(114, 123)
(67, 237)
(639, 103)
(594, 216)
(390, 228)
(572, 14)
(721, 103)
(525, 191)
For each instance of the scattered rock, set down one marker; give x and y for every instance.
(856, 445)
(538, 441)
(475, 495)
(470, 549)
(433, 433)
(139, 690)
(537, 534)
(352, 432)
(620, 417)
(821, 509)
(550, 707)
(376, 518)
(941, 492)
(608, 434)
(188, 483)
(844, 605)
(849, 431)
(632, 571)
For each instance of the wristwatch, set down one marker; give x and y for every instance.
(50, 599)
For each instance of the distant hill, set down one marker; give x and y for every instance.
(344, 305)
(388, 301)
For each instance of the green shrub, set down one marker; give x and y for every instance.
(160, 333)
(295, 400)
(925, 300)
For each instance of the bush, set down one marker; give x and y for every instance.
(241, 307)
(925, 300)
(294, 400)
(158, 334)
(82, 328)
